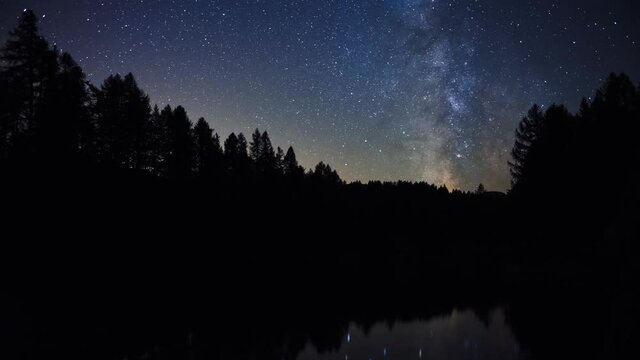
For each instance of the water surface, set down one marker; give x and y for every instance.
(456, 336)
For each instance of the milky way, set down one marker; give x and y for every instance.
(407, 89)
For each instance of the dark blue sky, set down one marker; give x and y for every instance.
(381, 89)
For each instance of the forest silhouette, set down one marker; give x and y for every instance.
(112, 203)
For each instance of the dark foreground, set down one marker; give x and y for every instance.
(144, 270)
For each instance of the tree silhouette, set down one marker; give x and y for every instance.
(74, 83)
(217, 160)
(27, 73)
(236, 157)
(8, 116)
(242, 147)
(612, 126)
(68, 130)
(291, 167)
(208, 151)
(53, 114)
(262, 154)
(528, 131)
(561, 155)
(124, 123)
(24, 57)
(158, 141)
(231, 152)
(557, 151)
(268, 158)
(279, 161)
(324, 175)
(243, 162)
(256, 147)
(180, 145)
(48, 128)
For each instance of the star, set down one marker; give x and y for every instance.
(403, 84)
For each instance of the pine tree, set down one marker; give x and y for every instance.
(158, 140)
(47, 131)
(218, 157)
(256, 147)
(181, 145)
(204, 145)
(124, 123)
(8, 115)
(527, 133)
(72, 130)
(23, 66)
(236, 157)
(242, 148)
(290, 164)
(268, 156)
(616, 114)
(139, 114)
(280, 161)
(28, 65)
(324, 175)
(231, 147)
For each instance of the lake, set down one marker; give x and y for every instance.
(458, 335)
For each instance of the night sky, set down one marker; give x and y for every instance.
(381, 89)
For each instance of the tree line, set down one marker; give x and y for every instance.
(52, 116)
(590, 156)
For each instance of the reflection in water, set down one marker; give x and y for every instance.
(460, 335)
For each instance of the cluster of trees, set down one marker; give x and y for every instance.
(52, 116)
(585, 155)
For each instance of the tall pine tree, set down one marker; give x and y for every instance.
(207, 150)
(527, 133)
(28, 68)
(180, 145)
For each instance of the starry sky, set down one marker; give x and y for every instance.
(380, 89)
